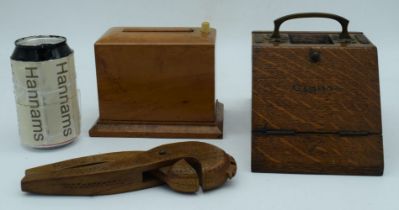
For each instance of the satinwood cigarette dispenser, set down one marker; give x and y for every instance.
(157, 82)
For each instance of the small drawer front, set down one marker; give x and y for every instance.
(319, 89)
(320, 154)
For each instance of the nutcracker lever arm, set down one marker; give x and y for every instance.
(184, 167)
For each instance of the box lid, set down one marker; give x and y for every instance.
(309, 38)
(157, 36)
(336, 91)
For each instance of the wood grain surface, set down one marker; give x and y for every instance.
(318, 153)
(341, 92)
(337, 92)
(183, 166)
(156, 76)
(213, 130)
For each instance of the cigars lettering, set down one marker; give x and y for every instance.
(314, 89)
(47, 106)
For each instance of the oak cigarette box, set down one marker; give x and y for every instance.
(315, 102)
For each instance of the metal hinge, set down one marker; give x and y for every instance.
(275, 132)
(353, 133)
(293, 132)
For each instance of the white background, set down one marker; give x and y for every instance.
(83, 22)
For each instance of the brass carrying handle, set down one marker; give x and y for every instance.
(343, 21)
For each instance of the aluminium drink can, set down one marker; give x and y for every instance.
(45, 91)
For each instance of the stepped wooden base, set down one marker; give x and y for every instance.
(211, 130)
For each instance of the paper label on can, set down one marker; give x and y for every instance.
(47, 103)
